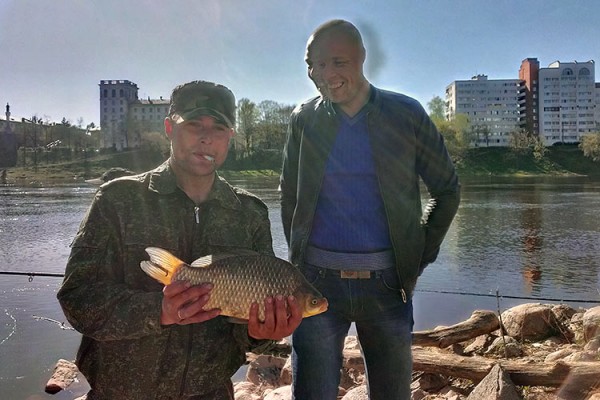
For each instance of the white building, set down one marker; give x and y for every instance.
(597, 107)
(567, 101)
(123, 116)
(492, 107)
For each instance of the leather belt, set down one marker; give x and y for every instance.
(350, 274)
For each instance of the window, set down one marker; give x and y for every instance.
(567, 72)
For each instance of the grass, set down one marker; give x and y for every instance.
(567, 160)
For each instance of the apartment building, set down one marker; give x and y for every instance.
(560, 103)
(492, 106)
(124, 116)
(529, 108)
(568, 102)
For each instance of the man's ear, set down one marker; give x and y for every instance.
(168, 127)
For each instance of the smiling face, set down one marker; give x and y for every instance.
(198, 146)
(335, 64)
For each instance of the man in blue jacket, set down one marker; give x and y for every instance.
(352, 215)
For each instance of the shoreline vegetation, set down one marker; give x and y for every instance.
(566, 160)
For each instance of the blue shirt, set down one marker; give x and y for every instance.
(350, 215)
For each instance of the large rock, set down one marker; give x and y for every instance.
(531, 321)
(591, 323)
(281, 393)
(357, 393)
(265, 370)
(496, 385)
(65, 372)
(247, 391)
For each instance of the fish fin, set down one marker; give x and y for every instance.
(156, 271)
(205, 261)
(240, 321)
(162, 265)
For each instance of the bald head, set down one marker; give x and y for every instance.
(338, 27)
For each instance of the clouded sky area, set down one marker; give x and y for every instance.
(53, 53)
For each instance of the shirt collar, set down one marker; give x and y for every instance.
(163, 181)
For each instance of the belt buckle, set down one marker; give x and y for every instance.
(348, 274)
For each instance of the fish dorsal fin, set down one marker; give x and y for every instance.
(205, 261)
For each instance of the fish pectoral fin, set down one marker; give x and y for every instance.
(234, 320)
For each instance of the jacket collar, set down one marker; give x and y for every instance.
(163, 181)
(372, 105)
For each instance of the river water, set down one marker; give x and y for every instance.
(529, 240)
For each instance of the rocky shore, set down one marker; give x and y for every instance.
(532, 351)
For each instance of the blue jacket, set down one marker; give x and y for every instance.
(406, 147)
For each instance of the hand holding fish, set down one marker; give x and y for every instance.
(278, 323)
(183, 304)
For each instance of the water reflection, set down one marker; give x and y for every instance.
(530, 239)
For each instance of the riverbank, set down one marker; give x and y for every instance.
(567, 160)
(78, 171)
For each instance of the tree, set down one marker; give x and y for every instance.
(437, 109)
(590, 145)
(246, 124)
(523, 142)
(456, 133)
(273, 122)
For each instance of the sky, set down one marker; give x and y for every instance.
(54, 53)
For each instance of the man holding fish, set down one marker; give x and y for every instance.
(141, 339)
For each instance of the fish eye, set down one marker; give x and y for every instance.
(314, 302)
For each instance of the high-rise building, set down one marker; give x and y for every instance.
(528, 100)
(491, 105)
(567, 101)
(124, 117)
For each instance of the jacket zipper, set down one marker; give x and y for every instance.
(187, 360)
(191, 333)
(402, 291)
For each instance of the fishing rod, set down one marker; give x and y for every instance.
(31, 275)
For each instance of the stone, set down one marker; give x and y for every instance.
(65, 372)
(281, 393)
(357, 393)
(265, 370)
(496, 385)
(246, 391)
(530, 321)
(591, 323)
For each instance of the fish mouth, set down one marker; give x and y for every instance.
(315, 311)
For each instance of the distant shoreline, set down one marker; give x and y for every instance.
(560, 161)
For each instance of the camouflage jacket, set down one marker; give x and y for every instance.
(125, 352)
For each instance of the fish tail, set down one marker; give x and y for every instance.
(162, 265)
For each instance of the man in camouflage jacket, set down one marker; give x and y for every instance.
(141, 341)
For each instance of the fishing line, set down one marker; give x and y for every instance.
(31, 275)
(508, 296)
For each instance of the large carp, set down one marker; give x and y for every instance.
(238, 280)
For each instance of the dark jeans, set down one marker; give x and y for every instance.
(384, 327)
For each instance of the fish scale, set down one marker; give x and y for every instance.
(238, 280)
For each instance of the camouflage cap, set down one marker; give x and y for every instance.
(194, 99)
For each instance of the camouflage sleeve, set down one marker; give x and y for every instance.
(93, 296)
